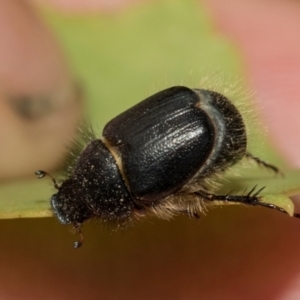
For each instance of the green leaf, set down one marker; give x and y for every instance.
(123, 58)
(25, 199)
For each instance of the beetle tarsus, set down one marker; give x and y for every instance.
(41, 174)
(79, 243)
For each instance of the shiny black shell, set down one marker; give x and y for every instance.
(167, 139)
(163, 142)
(149, 152)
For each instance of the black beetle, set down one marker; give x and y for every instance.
(156, 157)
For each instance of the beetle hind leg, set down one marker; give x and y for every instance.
(266, 165)
(252, 198)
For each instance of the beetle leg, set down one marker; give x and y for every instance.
(249, 199)
(78, 244)
(261, 162)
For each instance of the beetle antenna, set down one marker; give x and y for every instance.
(78, 244)
(41, 174)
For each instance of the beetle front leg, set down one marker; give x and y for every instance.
(250, 199)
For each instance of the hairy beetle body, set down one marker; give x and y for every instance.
(150, 158)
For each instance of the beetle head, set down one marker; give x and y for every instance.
(66, 204)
